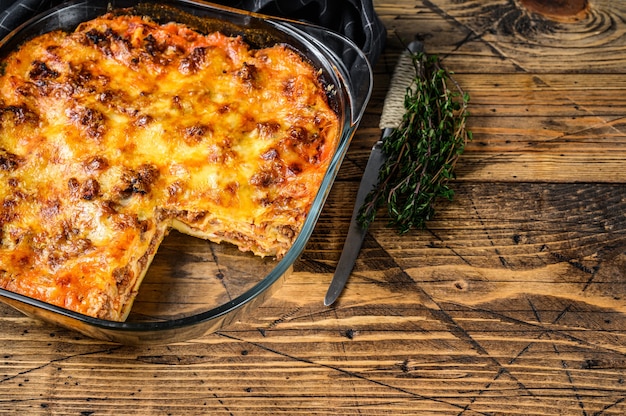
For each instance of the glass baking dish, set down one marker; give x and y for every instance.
(195, 287)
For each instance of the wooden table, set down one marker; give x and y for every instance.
(512, 301)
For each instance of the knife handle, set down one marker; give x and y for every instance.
(402, 79)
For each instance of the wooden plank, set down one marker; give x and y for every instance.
(502, 35)
(571, 107)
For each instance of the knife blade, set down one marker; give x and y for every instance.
(391, 117)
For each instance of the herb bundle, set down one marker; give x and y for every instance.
(422, 151)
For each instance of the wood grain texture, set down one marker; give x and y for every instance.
(511, 302)
(541, 90)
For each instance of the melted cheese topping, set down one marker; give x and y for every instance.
(115, 133)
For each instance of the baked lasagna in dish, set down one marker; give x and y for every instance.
(116, 133)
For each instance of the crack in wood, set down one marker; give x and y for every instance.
(59, 360)
(475, 35)
(503, 261)
(609, 406)
(570, 380)
(353, 374)
(440, 314)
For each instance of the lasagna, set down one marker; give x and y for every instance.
(115, 133)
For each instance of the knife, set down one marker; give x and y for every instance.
(391, 117)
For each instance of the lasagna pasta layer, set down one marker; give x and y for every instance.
(123, 129)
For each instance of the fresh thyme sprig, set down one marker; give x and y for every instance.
(422, 152)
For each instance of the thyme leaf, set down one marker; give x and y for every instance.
(422, 152)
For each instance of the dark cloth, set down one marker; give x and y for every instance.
(355, 19)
